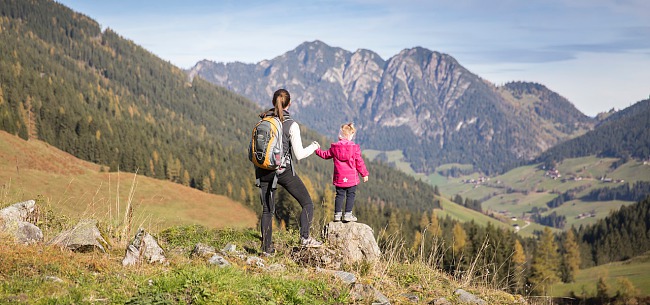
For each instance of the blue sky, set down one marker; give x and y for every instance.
(596, 53)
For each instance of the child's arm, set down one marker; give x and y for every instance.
(361, 165)
(325, 154)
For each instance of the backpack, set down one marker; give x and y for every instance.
(265, 149)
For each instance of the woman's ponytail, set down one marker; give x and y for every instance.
(281, 100)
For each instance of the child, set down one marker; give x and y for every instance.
(348, 164)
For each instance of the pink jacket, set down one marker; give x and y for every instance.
(347, 163)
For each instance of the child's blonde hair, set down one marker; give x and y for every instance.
(347, 131)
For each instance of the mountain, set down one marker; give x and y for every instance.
(623, 134)
(418, 101)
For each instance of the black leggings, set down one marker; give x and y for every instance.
(347, 194)
(295, 187)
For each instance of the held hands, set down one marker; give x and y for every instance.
(315, 143)
(365, 179)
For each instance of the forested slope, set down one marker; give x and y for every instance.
(106, 100)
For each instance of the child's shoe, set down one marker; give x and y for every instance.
(310, 243)
(349, 217)
(337, 216)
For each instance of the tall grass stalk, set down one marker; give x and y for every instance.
(128, 213)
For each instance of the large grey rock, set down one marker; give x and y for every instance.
(355, 241)
(13, 221)
(144, 247)
(19, 211)
(84, 237)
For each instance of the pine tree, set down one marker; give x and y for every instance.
(544, 267)
(570, 258)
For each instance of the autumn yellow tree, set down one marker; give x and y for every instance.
(519, 261)
(460, 238)
(627, 292)
(206, 186)
(434, 226)
(186, 178)
(570, 257)
(417, 243)
(544, 267)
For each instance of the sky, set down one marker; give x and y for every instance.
(595, 53)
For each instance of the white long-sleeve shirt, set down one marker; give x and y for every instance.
(296, 143)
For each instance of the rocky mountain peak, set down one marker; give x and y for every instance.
(419, 101)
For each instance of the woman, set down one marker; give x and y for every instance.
(286, 177)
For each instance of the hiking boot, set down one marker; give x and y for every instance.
(310, 243)
(337, 216)
(270, 251)
(349, 217)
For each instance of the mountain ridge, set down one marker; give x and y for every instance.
(422, 102)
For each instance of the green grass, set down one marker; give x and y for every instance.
(637, 270)
(464, 214)
(395, 157)
(455, 165)
(632, 172)
(517, 203)
(573, 208)
(94, 278)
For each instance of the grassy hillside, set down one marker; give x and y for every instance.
(525, 188)
(637, 270)
(75, 188)
(464, 214)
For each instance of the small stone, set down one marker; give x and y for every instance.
(219, 261)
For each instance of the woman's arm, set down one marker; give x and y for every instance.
(325, 154)
(296, 143)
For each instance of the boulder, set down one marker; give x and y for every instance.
(355, 241)
(13, 221)
(18, 211)
(144, 247)
(84, 237)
